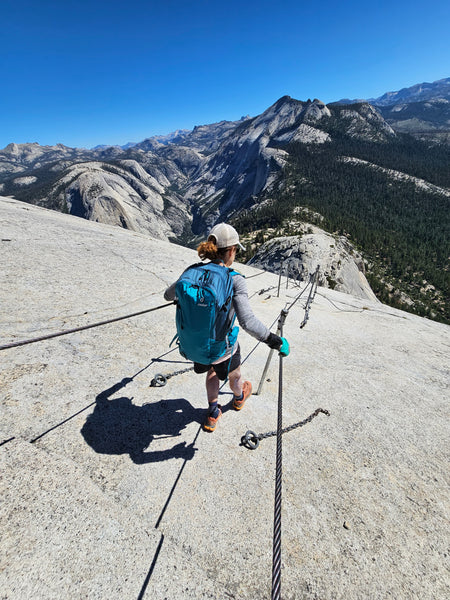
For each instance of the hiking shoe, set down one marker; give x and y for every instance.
(247, 391)
(211, 422)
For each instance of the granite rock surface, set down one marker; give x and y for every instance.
(109, 488)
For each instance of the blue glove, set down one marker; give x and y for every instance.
(284, 348)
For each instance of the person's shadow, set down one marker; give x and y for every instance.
(117, 426)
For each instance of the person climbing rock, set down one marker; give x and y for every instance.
(209, 296)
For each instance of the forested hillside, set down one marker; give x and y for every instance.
(401, 227)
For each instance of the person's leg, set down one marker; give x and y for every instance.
(235, 381)
(231, 368)
(212, 392)
(212, 387)
(241, 389)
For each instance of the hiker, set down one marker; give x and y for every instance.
(221, 248)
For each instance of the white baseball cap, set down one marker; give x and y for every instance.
(225, 236)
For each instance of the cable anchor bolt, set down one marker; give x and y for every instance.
(159, 380)
(250, 440)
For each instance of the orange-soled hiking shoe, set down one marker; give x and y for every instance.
(247, 391)
(211, 423)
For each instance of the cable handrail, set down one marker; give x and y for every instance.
(83, 328)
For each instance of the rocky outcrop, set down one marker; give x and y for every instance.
(203, 138)
(429, 120)
(340, 266)
(16, 158)
(124, 195)
(364, 122)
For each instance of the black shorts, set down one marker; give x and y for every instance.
(223, 368)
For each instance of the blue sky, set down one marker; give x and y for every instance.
(93, 72)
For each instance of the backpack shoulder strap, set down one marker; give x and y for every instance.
(233, 272)
(199, 264)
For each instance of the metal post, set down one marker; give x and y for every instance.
(279, 279)
(263, 376)
(281, 321)
(313, 279)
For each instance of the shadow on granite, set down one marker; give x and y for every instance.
(117, 426)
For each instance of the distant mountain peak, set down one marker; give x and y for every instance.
(415, 93)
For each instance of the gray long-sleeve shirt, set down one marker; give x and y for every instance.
(241, 306)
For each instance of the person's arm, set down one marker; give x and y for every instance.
(244, 313)
(169, 294)
(250, 323)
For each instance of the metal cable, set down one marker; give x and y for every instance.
(253, 441)
(160, 379)
(312, 281)
(262, 291)
(256, 275)
(358, 310)
(312, 292)
(60, 333)
(269, 359)
(276, 560)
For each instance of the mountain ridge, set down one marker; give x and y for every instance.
(416, 93)
(228, 170)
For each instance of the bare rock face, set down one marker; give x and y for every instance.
(102, 476)
(246, 163)
(124, 195)
(340, 266)
(366, 123)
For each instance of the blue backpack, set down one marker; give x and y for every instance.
(203, 295)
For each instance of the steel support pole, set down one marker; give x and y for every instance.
(279, 279)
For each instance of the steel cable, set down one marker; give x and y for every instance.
(312, 292)
(60, 333)
(276, 556)
(276, 560)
